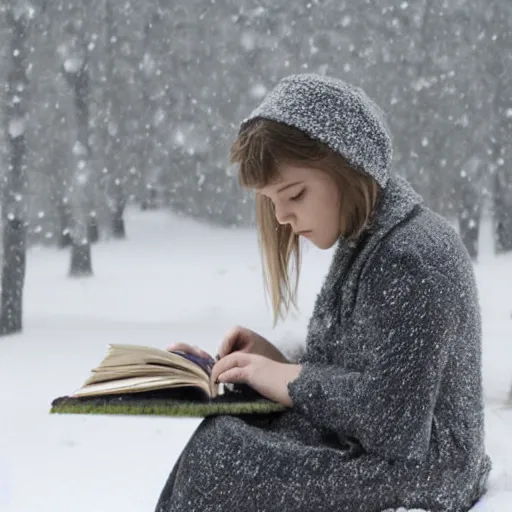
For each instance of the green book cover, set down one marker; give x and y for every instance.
(182, 402)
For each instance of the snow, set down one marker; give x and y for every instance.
(172, 280)
(73, 64)
(17, 127)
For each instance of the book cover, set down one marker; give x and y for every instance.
(184, 402)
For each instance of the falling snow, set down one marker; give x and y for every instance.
(73, 65)
(124, 119)
(17, 127)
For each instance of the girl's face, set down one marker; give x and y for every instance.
(308, 200)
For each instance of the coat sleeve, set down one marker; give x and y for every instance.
(388, 405)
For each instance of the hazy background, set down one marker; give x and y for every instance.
(121, 220)
(139, 101)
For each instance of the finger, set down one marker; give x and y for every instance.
(226, 343)
(230, 342)
(219, 367)
(234, 375)
(234, 360)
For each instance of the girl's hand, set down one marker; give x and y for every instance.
(269, 378)
(244, 340)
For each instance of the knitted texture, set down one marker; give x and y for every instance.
(388, 408)
(333, 112)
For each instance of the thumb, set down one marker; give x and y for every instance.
(229, 343)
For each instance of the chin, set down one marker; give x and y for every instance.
(325, 243)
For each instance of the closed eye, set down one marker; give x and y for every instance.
(298, 196)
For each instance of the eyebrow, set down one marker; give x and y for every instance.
(288, 186)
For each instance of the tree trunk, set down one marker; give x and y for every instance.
(76, 72)
(470, 205)
(64, 213)
(93, 232)
(115, 130)
(14, 201)
(500, 128)
(469, 231)
(81, 263)
(146, 192)
(13, 275)
(149, 198)
(118, 228)
(117, 212)
(503, 209)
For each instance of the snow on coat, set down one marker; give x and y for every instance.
(388, 408)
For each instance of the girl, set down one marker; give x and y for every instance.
(385, 405)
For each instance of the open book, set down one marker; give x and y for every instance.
(136, 368)
(140, 380)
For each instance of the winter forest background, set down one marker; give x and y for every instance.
(122, 221)
(110, 103)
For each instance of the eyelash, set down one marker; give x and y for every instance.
(298, 196)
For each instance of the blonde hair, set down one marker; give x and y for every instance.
(259, 150)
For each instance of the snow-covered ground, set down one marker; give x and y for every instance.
(173, 279)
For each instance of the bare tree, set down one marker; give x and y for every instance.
(502, 191)
(114, 123)
(73, 52)
(469, 206)
(499, 17)
(14, 200)
(146, 190)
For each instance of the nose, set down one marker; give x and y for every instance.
(283, 216)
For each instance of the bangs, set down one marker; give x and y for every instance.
(255, 152)
(264, 144)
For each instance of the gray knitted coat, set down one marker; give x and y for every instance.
(388, 408)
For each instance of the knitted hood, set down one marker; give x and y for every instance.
(333, 112)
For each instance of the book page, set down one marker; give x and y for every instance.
(137, 385)
(139, 370)
(124, 355)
